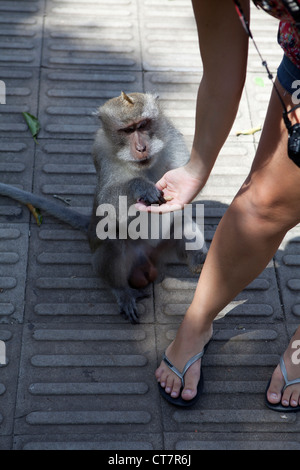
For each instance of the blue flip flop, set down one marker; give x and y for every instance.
(279, 406)
(179, 401)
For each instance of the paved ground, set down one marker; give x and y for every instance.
(78, 376)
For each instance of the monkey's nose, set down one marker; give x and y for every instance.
(141, 148)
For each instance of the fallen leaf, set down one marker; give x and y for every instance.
(249, 131)
(33, 124)
(36, 213)
(259, 81)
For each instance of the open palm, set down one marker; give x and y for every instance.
(179, 187)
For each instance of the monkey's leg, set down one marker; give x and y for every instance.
(114, 261)
(146, 271)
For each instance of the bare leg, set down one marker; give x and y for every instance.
(266, 207)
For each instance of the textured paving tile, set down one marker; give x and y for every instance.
(259, 302)
(264, 29)
(288, 262)
(87, 378)
(69, 99)
(21, 23)
(178, 93)
(230, 171)
(22, 86)
(11, 336)
(96, 441)
(16, 167)
(92, 35)
(175, 47)
(64, 170)
(258, 89)
(13, 267)
(230, 441)
(236, 370)
(61, 285)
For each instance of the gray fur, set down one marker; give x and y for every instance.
(71, 217)
(119, 174)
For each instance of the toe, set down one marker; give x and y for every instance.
(294, 400)
(286, 397)
(276, 384)
(169, 384)
(176, 389)
(192, 378)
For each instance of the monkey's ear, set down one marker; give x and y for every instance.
(127, 98)
(97, 113)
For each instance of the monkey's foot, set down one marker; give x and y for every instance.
(126, 299)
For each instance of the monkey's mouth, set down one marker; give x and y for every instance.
(144, 161)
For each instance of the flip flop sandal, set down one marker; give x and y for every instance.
(179, 401)
(279, 406)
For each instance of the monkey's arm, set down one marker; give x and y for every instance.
(73, 218)
(135, 189)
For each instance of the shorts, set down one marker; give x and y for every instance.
(287, 73)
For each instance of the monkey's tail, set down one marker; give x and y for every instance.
(71, 217)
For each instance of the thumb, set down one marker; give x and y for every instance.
(161, 184)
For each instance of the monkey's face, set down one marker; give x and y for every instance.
(139, 144)
(133, 124)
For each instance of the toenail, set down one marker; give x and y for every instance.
(168, 389)
(294, 403)
(285, 402)
(163, 384)
(274, 395)
(174, 394)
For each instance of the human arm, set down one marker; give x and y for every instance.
(223, 46)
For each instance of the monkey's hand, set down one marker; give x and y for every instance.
(146, 192)
(180, 186)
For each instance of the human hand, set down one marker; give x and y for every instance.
(179, 187)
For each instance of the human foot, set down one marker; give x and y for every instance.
(186, 346)
(282, 397)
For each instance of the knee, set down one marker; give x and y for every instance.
(272, 208)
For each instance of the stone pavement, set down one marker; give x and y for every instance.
(77, 375)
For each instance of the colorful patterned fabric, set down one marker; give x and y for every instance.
(288, 33)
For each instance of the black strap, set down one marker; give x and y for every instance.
(245, 24)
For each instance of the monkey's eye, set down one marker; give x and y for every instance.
(128, 130)
(143, 124)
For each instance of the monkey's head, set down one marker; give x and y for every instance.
(133, 123)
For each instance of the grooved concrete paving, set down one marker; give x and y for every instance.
(77, 375)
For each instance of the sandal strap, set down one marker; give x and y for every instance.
(186, 367)
(284, 373)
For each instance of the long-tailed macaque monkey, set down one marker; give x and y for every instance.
(136, 145)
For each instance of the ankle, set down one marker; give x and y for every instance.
(198, 323)
(194, 332)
